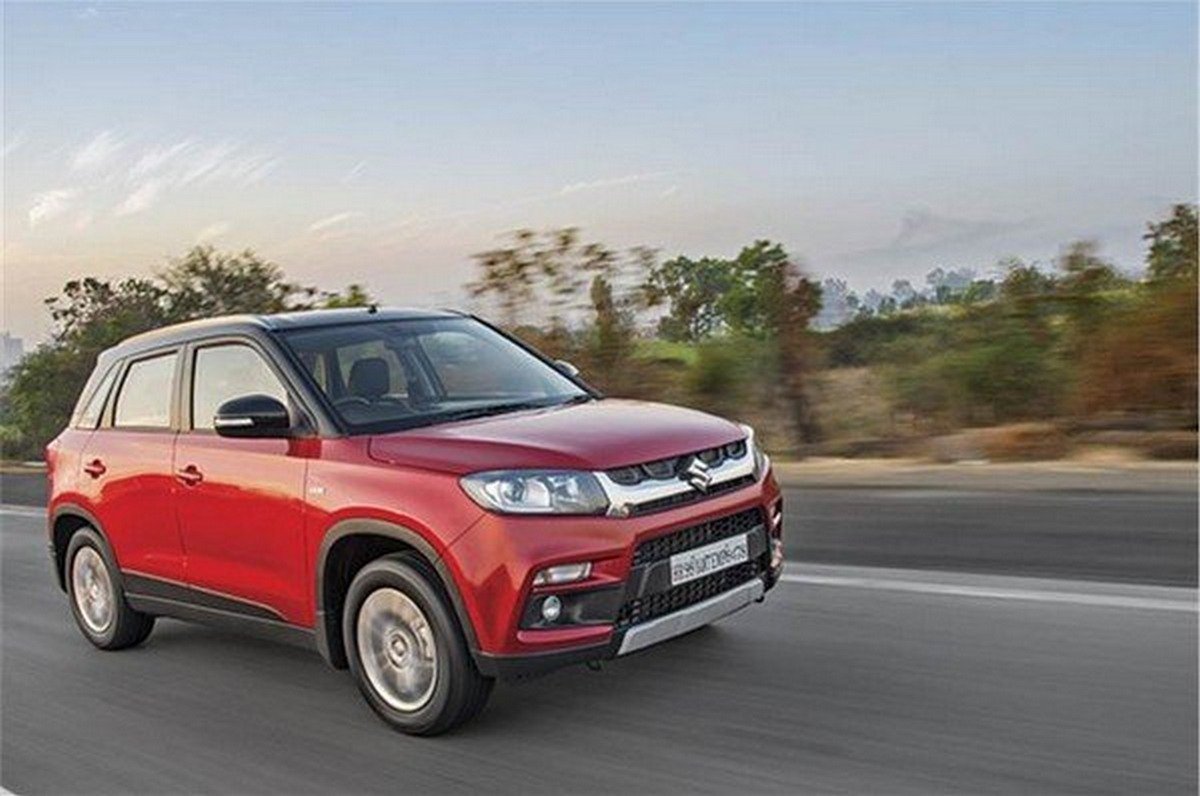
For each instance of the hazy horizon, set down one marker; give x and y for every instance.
(384, 144)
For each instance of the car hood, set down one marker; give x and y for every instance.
(597, 435)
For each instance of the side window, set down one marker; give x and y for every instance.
(88, 415)
(145, 397)
(224, 372)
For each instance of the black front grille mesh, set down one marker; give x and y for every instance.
(691, 496)
(696, 535)
(685, 594)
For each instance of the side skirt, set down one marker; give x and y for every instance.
(165, 598)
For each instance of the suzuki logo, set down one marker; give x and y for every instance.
(697, 474)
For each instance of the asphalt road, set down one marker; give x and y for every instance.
(1128, 535)
(846, 680)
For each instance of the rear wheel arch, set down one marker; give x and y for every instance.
(350, 545)
(66, 521)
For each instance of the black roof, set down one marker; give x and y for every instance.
(232, 324)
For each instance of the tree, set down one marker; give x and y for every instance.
(539, 272)
(1088, 291)
(205, 283)
(1144, 356)
(355, 295)
(91, 315)
(946, 286)
(1173, 249)
(692, 291)
(905, 294)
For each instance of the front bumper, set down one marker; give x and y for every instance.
(629, 603)
(628, 640)
(694, 616)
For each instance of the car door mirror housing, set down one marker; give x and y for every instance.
(253, 416)
(566, 368)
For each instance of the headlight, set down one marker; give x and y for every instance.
(537, 492)
(762, 462)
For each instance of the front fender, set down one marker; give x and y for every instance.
(327, 624)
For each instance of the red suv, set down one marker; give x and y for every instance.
(428, 501)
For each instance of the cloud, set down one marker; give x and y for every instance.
(51, 204)
(610, 182)
(83, 221)
(91, 12)
(159, 157)
(212, 231)
(189, 161)
(330, 221)
(354, 172)
(97, 152)
(674, 189)
(142, 198)
(13, 144)
(166, 168)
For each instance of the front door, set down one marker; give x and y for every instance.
(240, 501)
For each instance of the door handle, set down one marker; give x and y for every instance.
(95, 468)
(190, 475)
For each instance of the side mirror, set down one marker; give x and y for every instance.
(566, 368)
(253, 416)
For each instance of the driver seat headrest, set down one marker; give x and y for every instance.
(370, 378)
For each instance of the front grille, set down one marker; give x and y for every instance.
(664, 469)
(691, 496)
(651, 551)
(685, 594)
(669, 544)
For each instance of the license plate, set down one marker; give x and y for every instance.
(701, 561)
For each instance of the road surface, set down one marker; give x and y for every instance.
(846, 680)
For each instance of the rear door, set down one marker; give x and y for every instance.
(240, 503)
(126, 470)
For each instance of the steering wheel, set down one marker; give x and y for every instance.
(347, 401)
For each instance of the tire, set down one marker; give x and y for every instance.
(90, 564)
(419, 675)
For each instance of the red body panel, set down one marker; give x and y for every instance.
(242, 522)
(252, 527)
(593, 436)
(133, 498)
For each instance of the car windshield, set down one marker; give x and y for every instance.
(391, 375)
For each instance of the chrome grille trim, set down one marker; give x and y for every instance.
(624, 500)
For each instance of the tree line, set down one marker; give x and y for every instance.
(742, 335)
(93, 314)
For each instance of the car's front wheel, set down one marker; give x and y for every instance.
(407, 651)
(97, 599)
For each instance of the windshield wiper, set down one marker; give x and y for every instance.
(499, 409)
(582, 398)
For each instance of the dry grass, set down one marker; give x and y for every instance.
(851, 404)
(1024, 442)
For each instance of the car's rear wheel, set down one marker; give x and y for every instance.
(406, 650)
(97, 599)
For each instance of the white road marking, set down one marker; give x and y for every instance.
(22, 511)
(988, 593)
(911, 586)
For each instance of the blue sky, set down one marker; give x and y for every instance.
(386, 143)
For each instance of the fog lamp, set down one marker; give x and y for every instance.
(776, 553)
(562, 573)
(551, 608)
